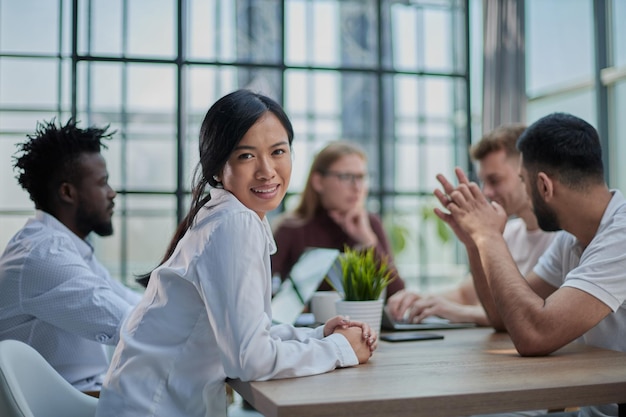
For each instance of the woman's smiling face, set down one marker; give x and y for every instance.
(259, 168)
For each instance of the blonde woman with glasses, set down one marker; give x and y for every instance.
(332, 212)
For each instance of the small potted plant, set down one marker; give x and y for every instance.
(364, 277)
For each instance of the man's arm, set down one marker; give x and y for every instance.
(536, 326)
(481, 287)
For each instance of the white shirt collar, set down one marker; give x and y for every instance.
(219, 195)
(83, 247)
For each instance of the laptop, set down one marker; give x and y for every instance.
(388, 323)
(305, 277)
(428, 323)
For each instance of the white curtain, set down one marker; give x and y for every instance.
(504, 72)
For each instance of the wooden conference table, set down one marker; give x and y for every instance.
(470, 371)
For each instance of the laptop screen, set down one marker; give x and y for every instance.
(286, 304)
(310, 270)
(305, 278)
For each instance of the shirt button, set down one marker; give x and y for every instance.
(102, 338)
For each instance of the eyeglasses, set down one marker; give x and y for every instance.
(348, 178)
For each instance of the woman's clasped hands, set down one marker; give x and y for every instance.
(361, 337)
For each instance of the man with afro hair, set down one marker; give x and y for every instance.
(54, 294)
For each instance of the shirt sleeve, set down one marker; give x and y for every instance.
(550, 266)
(598, 270)
(601, 269)
(59, 288)
(237, 301)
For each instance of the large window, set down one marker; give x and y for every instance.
(391, 75)
(576, 63)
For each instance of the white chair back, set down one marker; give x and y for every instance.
(30, 387)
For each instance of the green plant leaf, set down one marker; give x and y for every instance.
(364, 277)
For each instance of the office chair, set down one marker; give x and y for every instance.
(30, 387)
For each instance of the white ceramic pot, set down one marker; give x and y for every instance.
(370, 312)
(323, 305)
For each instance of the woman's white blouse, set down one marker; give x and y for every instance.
(206, 316)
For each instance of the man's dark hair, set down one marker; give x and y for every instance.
(50, 157)
(564, 147)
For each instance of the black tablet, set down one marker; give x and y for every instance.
(409, 336)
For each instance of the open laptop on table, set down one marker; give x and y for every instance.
(305, 278)
(428, 323)
(388, 323)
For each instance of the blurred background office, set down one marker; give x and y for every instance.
(413, 81)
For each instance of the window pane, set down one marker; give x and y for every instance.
(101, 27)
(326, 106)
(150, 158)
(241, 31)
(21, 123)
(207, 83)
(29, 26)
(209, 38)
(425, 255)
(39, 74)
(140, 236)
(152, 88)
(619, 32)
(334, 63)
(12, 196)
(618, 147)
(100, 87)
(578, 102)
(426, 36)
(328, 33)
(151, 27)
(559, 43)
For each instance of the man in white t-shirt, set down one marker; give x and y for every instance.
(577, 290)
(498, 161)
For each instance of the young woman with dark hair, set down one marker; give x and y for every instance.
(206, 313)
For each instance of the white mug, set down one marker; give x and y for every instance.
(323, 305)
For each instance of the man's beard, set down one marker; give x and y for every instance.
(90, 222)
(546, 217)
(103, 229)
